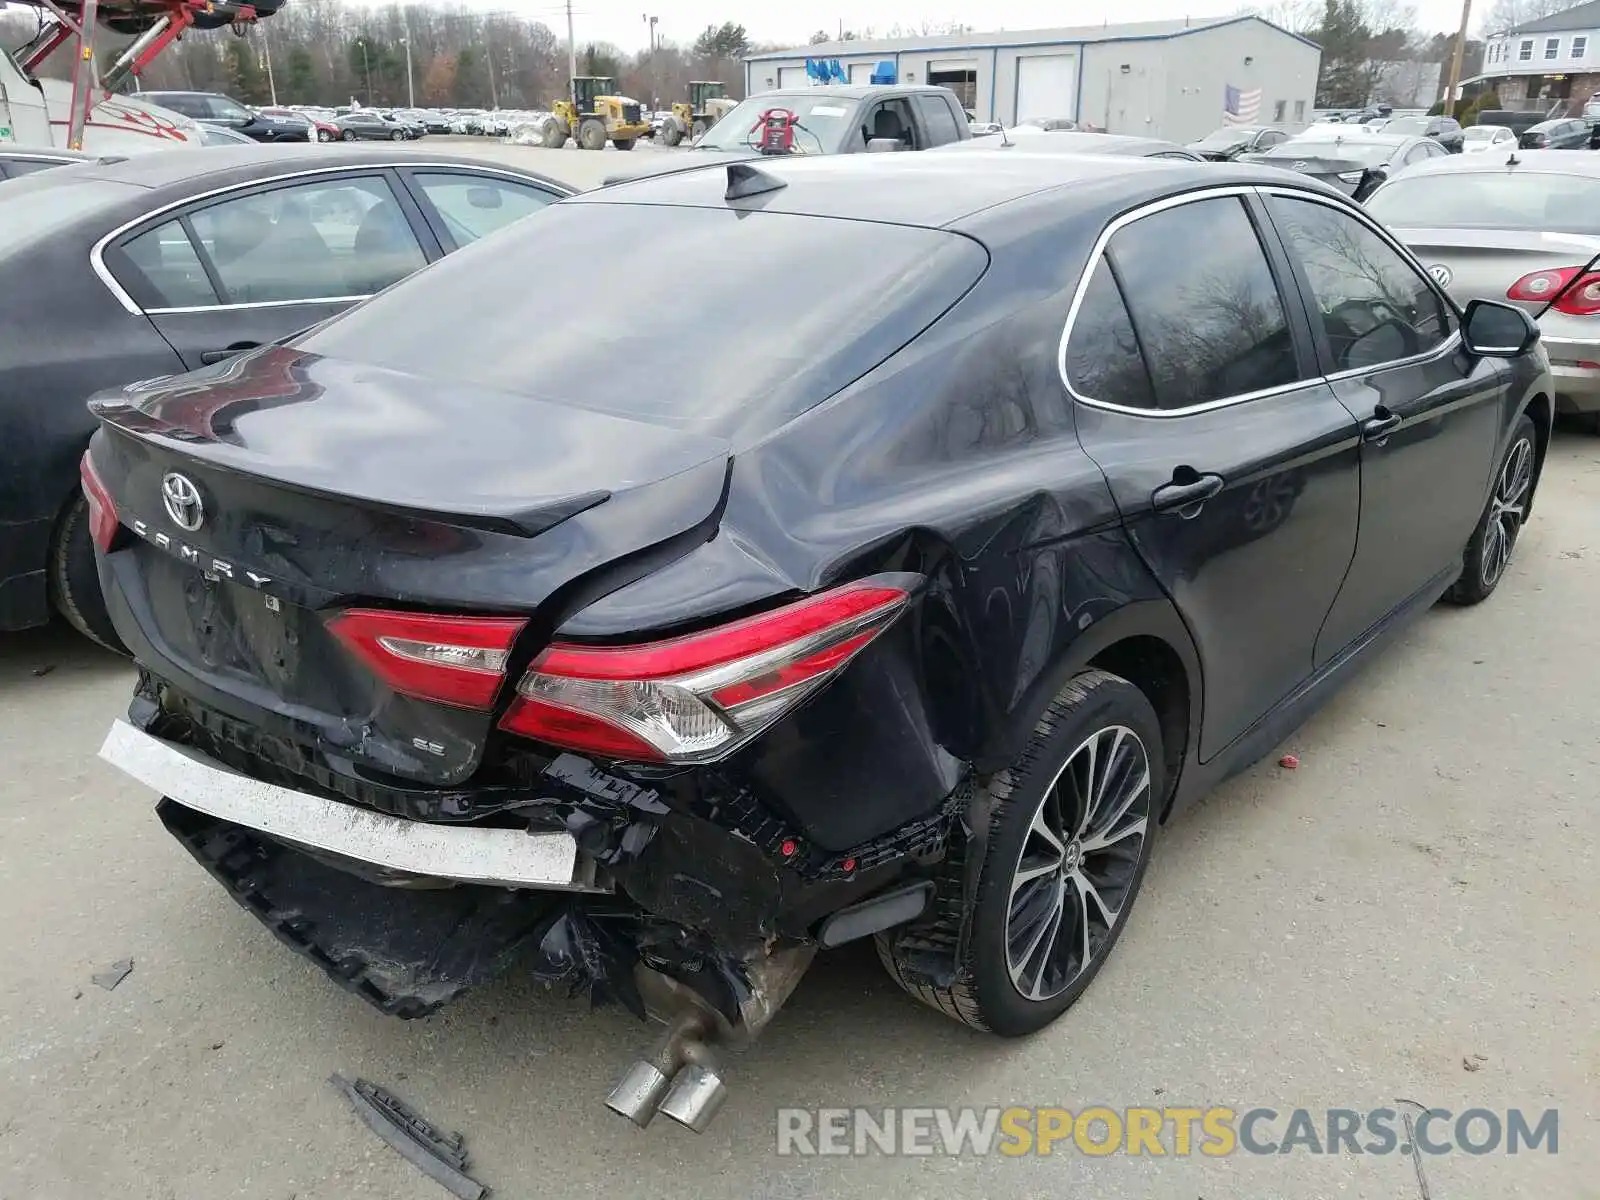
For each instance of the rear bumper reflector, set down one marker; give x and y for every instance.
(506, 857)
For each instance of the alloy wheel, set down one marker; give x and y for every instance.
(1508, 507)
(1078, 863)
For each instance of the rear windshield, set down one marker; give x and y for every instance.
(1492, 200)
(696, 317)
(45, 203)
(822, 123)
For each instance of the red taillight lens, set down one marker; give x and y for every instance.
(103, 522)
(459, 661)
(1581, 300)
(695, 698)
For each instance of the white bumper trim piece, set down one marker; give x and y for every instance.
(506, 857)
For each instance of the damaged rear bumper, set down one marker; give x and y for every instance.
(464, 854)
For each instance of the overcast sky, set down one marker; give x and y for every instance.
(621, 21)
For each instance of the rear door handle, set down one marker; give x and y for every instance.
(212, 357)
(1382, 424)
(1188, 496)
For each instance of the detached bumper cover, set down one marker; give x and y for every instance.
(505, 857)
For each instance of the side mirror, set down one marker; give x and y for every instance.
(882, 145)
(1494, 330)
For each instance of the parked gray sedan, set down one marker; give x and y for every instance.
(1520, 226)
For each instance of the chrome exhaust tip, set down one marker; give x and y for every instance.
(639, 1093)
(696, 1096)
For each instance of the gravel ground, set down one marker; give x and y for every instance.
(1419, 893)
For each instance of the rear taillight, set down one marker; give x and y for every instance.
(459, 661)
(696, 698)
(103, 521)
(1582, 299)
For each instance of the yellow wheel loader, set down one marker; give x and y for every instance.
(708, 104)
(594, 115)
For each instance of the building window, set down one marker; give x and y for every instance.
(1278, 110)
(1525, 50)
(1552, 47)
(1579, 45)
(1299, 111)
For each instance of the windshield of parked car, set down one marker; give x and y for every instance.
(778, 342)
(1367, 154)
(1542, 201)
(1484, 133)
(1224, 139)
(33, 209)
(821, 123)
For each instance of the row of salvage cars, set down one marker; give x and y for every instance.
(909, 609)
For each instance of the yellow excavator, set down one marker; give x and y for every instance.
(708, 104)
(594, 115)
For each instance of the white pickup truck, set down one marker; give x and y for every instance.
(36, 113)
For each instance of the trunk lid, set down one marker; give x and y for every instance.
(323, 485)
(1327, 170)
(1484, 263)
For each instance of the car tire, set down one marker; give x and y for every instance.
(623, 143)
(348, 135)
(1044, 857)
(75, 580)
(397, 136)
(324, 136)
(1488, 552)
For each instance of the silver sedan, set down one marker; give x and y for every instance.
(1520, 226)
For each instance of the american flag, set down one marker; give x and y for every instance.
(1240, 108)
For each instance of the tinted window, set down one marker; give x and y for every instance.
(1103, 358)
(1204, 304)
(940, 121)
(777, 342)
(1492, 200)
(314, 241)
(170, 267)
(189, 106)
(18, 167)
(474, 206)
(1373, 305)
(1271, 138)
(223, 109)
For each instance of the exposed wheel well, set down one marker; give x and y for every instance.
(1155, 669)
(1539, 411)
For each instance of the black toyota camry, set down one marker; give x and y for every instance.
(907, 606)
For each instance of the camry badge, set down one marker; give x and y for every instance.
(181, 499)
(1441, 274)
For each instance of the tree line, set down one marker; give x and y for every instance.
(327, 52)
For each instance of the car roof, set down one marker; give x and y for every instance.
(1543, 162)
(220, 166)
(928, 189)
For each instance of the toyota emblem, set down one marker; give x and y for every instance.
(1441, 274)
(181, 499)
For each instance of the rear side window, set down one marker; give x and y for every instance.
(1204, 304)
(940, 121)
(474, 206)
(170, 268)
(778, 336)
(1103, 358)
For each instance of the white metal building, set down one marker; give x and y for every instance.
(1156, 78)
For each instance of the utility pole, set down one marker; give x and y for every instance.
(1455, 60)
(572, 59)
(411, 85)
(266, 53)
(366, 63)
(655, 67)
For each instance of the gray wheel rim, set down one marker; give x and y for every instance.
(1074, 875)
(1508, 506)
